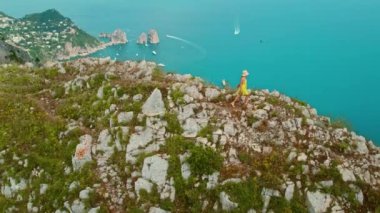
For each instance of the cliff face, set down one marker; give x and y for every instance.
(9, 54)
(132, 138)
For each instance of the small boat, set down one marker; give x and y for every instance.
(161, 65)
(137, 54)
(154, 52)
(224, 83)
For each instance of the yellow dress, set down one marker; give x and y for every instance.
(243, 88)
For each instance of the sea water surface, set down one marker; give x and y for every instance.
(324, 52)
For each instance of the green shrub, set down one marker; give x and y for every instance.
(340, 123)
(251, 120)
(58, 91)
(204, 161)
(47, 73)
(97, 80)
(158, 74)
(280, 204)
(173, 124)
(206, 132)
(177, 96)
(247, 194)
(302, 103)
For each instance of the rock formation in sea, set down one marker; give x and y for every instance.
(143, 39)
(153, 37)
(108, 136)
(119, 37)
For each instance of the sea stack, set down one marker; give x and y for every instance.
(153, 37)
(119, 37)
(143, 39)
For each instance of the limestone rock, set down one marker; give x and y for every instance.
(186, 112)
(361, 146)
(155, 169)
(154, 105)
(211, 93)
(302, 157)
(124, 117)
(185, 171)
(157, 210)
(227, 204)
(191, 128)
(85, 193)
(289, 191)
(260, 114)
(229, 129)
(137, 97)
(100, 93)
(82, 152)
(141, 183)
(104, 145)
(347, 175)
(137, 141)
(212, 180)
(43, 188)
(193, 92)
(318, 202)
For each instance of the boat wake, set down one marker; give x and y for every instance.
(192, 44)
(237, 27)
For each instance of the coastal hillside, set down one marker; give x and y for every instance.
(46, 36)
(95, 135)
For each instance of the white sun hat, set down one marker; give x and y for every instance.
(245, 73)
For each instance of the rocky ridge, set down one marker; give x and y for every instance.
(157, 142)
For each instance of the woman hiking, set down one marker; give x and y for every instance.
(242, 91)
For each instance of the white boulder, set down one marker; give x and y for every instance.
(155, 169)
(318, 202)
(82, 152)
(154, 105)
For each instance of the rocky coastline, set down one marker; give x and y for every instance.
(116, 38)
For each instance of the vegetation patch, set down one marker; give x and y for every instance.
(174, 126)
(158, 74)
(340, 123)
(247, 194)
(206, 132)
(204, 160)
(177, 96)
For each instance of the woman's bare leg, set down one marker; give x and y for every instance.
(246, 100)
(233, 102)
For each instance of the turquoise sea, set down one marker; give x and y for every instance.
(325, 52)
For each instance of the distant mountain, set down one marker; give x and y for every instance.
(47, 16)
(46, 36)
